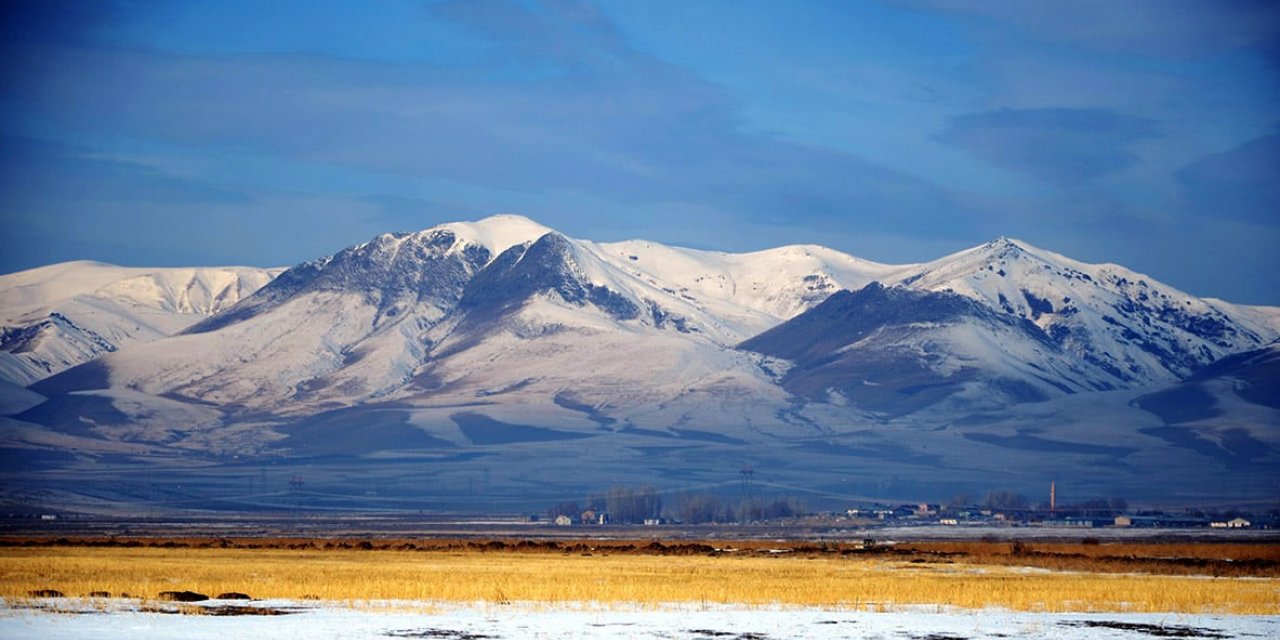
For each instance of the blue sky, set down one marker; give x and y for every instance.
(268, 133)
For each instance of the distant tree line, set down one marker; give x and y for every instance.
(627, 505)
(1006, 501)
(698, 508)
(1009, 501)
(624, 505)
(635, 505)
(1096, 508)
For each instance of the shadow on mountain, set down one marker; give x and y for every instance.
(1253, 376)
(357, 431)
(706, 436)
(90, 375)
(1235, 448)
(1029, 442)
(897, 368)
(75, 414)
(483, 430)
(875, 451)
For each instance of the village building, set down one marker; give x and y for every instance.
(1234, 523)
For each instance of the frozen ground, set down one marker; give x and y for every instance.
(312, 620)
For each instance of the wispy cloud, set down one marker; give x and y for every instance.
(1240, 184)
(575, 111)
(1060, 146)
(36, 170)
(1176, 28)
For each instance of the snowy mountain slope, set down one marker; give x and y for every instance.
(1260, 319)
(1253, 376)
(557, 324)
(1226, 412)
(337, 330)
(999, 324)
(754, 291)
(424, 316)
(364, 323)
(896, 350)
(576, 273)
(727, 296)
(1136, 330)
(394, 271)
(59, 316)
(550, 324)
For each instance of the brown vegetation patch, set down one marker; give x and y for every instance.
(1096, 577)
(759, 575)
(181, 596)
(1221, 559)
(1173, 558)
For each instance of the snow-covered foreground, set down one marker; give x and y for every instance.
(311, 620)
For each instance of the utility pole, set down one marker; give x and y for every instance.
(747, 475)
(295, 490)
(748, 505)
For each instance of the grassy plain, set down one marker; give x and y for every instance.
(628, 574)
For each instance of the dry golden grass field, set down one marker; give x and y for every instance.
(1185, 578)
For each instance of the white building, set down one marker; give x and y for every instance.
(1236, 523)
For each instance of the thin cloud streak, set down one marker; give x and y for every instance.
(1061, 146)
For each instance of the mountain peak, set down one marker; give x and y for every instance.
(507, 219)
(497, 233)
(550, 264)
(1006, 246)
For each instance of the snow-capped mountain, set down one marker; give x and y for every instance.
(379, 319)
(768, 286)
(550, 323)
(1003, 323)
(896, 350)
(1134, 330)
(508, 310)
(56, 317)
(341, 329)
(463, 339)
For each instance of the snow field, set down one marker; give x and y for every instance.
(591, 620)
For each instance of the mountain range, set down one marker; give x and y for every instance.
(62, 315)
(501, 360)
